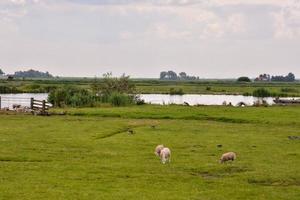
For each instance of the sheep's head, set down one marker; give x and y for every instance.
(158, 149)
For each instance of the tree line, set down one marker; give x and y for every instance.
(171, 75)
(28, 74)
(267, 77)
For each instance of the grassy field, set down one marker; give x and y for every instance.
(147, 86)
(89, 154)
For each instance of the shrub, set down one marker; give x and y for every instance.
(208, 88)
(174, 91)
(247, 94)
(261, 92)
(243, 79)
(118, 99)
(139, 101)
(289, 90)
(6, 89)
(109, 85)
(71, 96)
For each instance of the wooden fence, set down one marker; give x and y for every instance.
(38, 105)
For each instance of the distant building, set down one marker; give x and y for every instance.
(263, 77)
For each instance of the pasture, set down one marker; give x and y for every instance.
(91, 154)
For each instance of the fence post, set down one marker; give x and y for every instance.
(44, 107)
(31, 103)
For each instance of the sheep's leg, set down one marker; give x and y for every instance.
(163, 160)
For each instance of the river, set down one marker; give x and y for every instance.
(7, 100)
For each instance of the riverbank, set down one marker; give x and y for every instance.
(146, 86)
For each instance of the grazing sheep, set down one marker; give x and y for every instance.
(165, 155)
(20, 110)
(158, 149)
(130, 131)
(28, 110)
(227, 156)
(153, 126)
(15, 106)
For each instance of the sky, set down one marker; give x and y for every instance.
(205, 38)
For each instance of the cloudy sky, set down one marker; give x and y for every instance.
(206, 38)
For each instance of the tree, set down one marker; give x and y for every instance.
(121, 85)
(243, 79)
(163, 75)
(172, 75)
(182, 75)
(32, 74)
(290, 77)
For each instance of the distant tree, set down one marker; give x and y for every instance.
(32, 74)
(243, 79)
(182, 75)
(289, 78)
(163, 75)
(1, 72)
(172, 75)
(10, 78)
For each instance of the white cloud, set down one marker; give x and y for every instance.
(248, 2)
(287, 21)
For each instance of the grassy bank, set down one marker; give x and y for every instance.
(89, 153)
(161, 87)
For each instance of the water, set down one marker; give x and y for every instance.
(7, 100)
(197, 99)
(193, 99)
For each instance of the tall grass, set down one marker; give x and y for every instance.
(261, 92)
(118, 99)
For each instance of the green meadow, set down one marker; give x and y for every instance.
(89, 153)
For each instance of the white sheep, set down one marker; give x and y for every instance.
(158, 149)
(228, 156)
(165, 155)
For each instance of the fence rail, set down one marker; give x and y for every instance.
(39, 105)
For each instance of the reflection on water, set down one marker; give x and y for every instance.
(196, 99)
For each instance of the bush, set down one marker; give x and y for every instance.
(109, 85)
(118, 99)
(247, 94)
(71, 96)
(243, 79)
(208, 88)
(289, 90)
(261, 92)
(6, 89)
(139, 101)
(174, 91)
